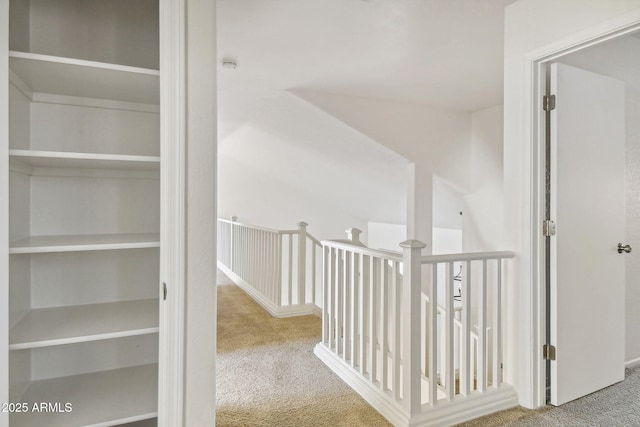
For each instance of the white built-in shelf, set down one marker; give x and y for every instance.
(81, 323)
(103, 398)
(87, 79)
(63, 159)
(84, 242)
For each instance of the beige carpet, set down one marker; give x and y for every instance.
(267, 374)
(618, 405)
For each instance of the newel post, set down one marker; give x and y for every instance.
(411, 291)
(353, 234)
(231, 245)
(302, 262)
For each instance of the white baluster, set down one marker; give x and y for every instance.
(232, 265)
(384, 324)
(339, 300)
(326, 277)
(346, 327)
(364, 301)
(279, 283)
(497, 328)
(302, 261)
(482, 331)
(432, 322)
(373, 319)
(313, 274)
(465, 371)
(355, 275)
(448, 335)
(397, 321)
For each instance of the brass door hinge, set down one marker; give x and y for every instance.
(549, 103)
(548, 352)
(548, 228)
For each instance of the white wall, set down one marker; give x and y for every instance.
(293, 162)
(446, 241)
(620, 59)
(386, 236)
(435, 141)
(447, 215)
(533, 26)
(447, 203)
(96, 30)
(482, 212)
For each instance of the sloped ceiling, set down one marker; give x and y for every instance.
(440, 53)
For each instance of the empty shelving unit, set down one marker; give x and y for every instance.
(83, 252)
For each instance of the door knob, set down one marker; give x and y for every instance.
(624, 248)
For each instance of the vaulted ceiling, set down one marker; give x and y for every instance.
(441, 53)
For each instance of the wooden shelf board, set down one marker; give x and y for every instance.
(58, 159)
(88, 79)
(81, 323)
(84, 242)
(103, 398)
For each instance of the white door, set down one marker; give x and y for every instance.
(587, 203)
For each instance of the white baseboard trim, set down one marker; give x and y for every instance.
(389, 408)
(467, 408)
(632, 363)
(266, 303)
(443, 414)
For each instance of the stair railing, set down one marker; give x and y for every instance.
(278, 268)
(391, 336)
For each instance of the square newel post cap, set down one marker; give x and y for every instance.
(302, 225)
(413, 244)
(353, 234)
(234, 218)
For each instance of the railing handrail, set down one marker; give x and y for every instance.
(286, 232)
(425, 259)
(314, 240)
(255, 227)
(362, 250)
(470, 256)
(271, 230)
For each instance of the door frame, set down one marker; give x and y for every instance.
(535, 67)
(187, 338)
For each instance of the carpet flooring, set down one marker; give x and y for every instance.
(617, 405)
(267, 374)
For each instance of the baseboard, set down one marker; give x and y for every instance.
(299, 310)
(633, 363)
(468, 408)
(266, 303)
(389, 408)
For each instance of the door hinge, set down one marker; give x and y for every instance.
(549, 102)
(548, 352)
(548, 228)
(164, 290)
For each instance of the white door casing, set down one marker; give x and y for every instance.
(587, 203)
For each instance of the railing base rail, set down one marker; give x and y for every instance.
(444, 414)
(274, 310)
